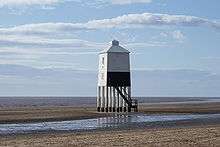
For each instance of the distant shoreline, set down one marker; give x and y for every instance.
(89, 101)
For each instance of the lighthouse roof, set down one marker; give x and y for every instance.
(115, 48)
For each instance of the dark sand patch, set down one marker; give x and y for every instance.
(192, 108)
(39, 114)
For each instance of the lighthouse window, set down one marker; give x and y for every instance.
(103, 60)
(102, 76)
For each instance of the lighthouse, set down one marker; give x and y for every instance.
(114, 80)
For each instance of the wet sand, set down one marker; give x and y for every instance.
(39, 114)
(180, 107)
(182, 133)
(172, 137)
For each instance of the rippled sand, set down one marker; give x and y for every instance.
(182, 134)
(173, 137)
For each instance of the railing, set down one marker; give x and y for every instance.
(132, 103)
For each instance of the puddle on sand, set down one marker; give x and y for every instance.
(88, 124)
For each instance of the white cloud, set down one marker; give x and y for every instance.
(130, 20)
(211, 58)
(35, 51)
(177, 34)
(15, 3)
(34, 34)
(18, 3)
(123, 2)
(38, 45)
(103, 3)
(146, 44)
(164, 34)
(46, 39)
(47, 7)
(32, 40)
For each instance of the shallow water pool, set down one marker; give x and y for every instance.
(116, 121)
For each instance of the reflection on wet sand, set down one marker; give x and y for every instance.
(116, 121)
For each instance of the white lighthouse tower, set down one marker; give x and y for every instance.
(114, 82)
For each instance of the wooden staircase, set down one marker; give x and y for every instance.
(132, 103)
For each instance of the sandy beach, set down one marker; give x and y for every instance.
(182, 133)
(39, 114)
(174, 137)
(59, 113)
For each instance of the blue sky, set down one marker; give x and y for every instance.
(174, 45)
